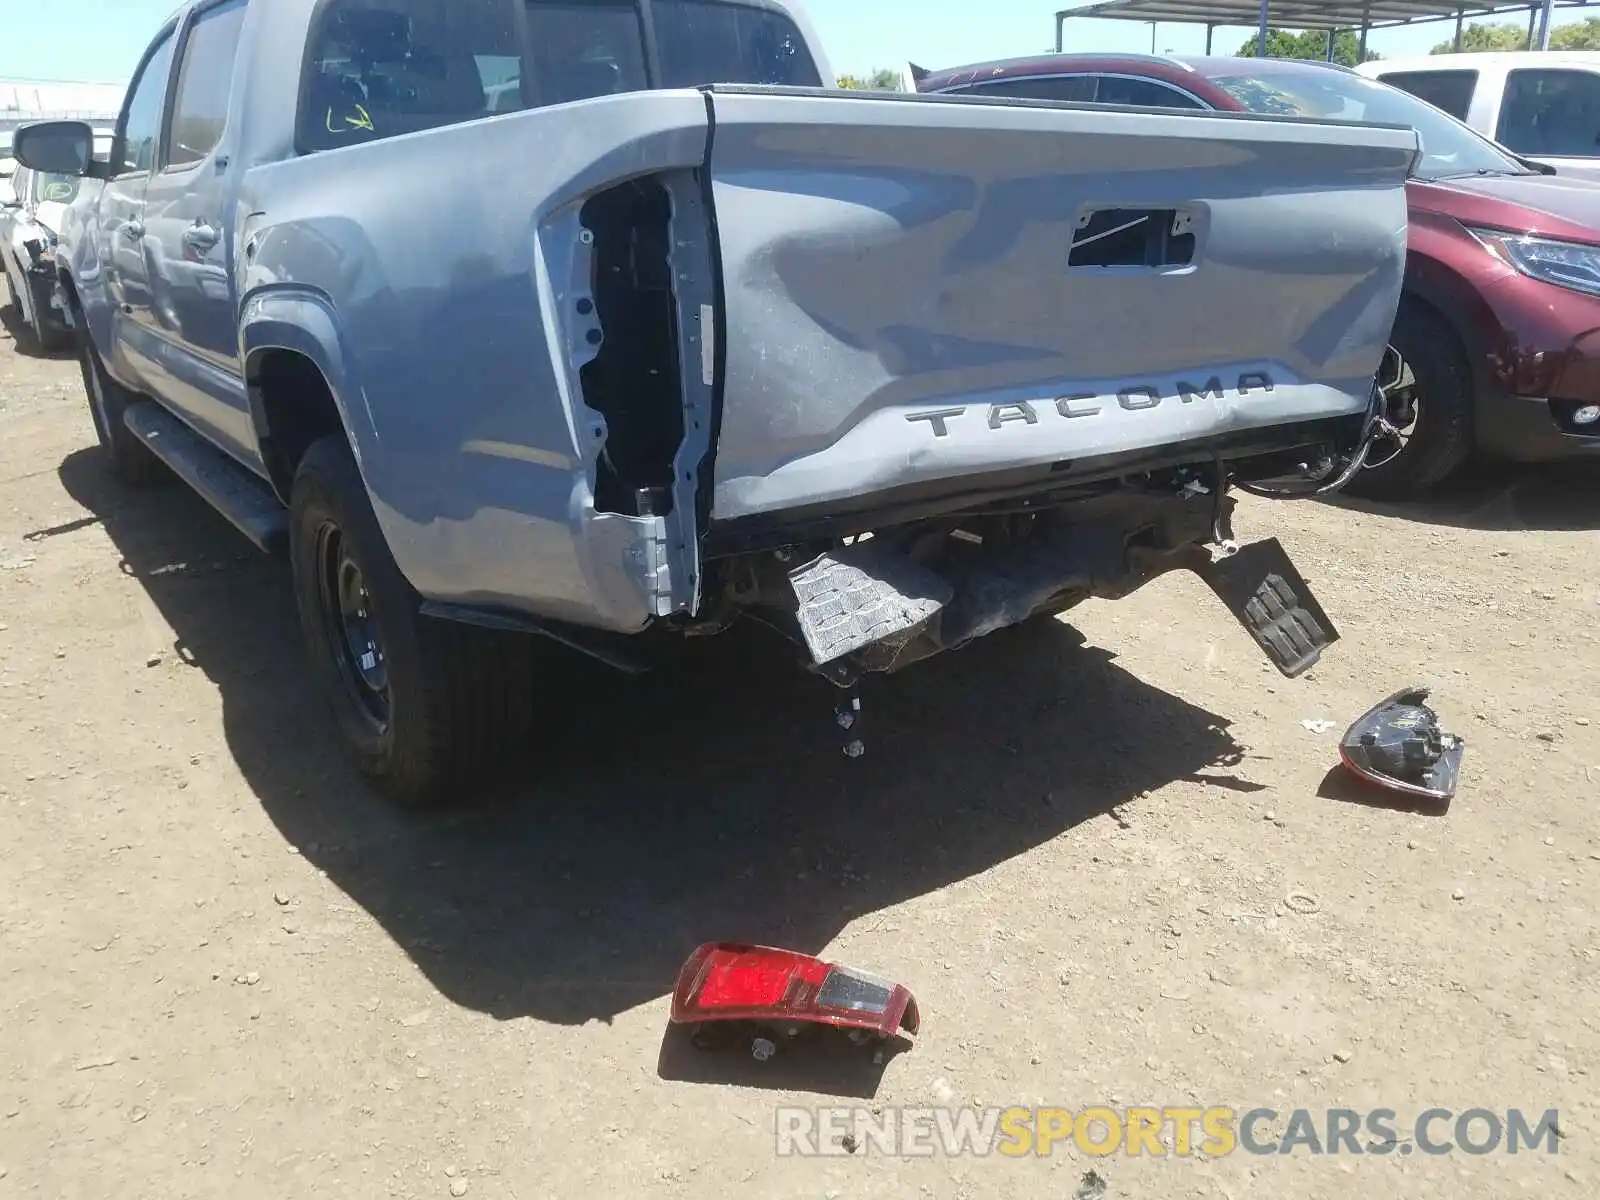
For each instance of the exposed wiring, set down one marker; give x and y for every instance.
(1376, 425)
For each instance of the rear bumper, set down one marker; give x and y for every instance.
(1250, 454)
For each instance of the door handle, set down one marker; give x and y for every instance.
(133, 229)
(200, 236)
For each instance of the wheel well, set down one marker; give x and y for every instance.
(67, 286)
(1411, 298)
(1441, 306)
(293, 407)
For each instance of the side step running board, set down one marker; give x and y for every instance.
(233, 491)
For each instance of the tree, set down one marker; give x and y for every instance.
(1502, 36)
(881, 80)
(1476, 37)
(1579, 35)
(1312, 44)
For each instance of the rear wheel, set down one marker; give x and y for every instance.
(131, 460)
(46, 337)
(1427, 389)
(427, 708)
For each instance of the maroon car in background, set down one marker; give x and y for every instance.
(1497, 345)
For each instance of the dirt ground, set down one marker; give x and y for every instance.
(1107, 857)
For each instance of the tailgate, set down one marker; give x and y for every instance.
(926, 290)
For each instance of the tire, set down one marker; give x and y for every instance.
(428, 709)
(50, 341)
(131, 460)
(1441, 395)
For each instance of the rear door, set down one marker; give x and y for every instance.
(930, 292)
(120, 232)
(191, 322)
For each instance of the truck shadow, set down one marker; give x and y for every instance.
(1502, 497)
(711, 800)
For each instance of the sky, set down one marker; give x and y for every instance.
(107, 36)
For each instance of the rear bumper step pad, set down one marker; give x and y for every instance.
(871, 595)
(1262, 589)
(860, 595)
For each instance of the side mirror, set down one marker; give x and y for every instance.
(55, 147)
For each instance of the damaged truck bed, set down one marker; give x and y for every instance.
(971, 364)
(886, 372)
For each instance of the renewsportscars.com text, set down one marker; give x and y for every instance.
(1180, 1131)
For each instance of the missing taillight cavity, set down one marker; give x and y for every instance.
(634, 378)
(1133, 237)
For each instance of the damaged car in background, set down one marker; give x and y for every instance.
(704, 340)
(31, 219)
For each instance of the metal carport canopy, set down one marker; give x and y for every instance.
(1300, 14)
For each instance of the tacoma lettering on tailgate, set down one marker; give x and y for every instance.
(1137, 397)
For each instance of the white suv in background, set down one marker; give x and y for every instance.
(1542, 105)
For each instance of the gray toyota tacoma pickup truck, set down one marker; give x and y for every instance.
(512, 320)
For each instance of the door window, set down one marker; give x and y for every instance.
(1142, 93)
(1036, 87)
(205, 78)
(141, 124)
(55, 189)
(1447, 90)
(1551, 112)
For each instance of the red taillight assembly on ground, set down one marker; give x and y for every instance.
(732, 981)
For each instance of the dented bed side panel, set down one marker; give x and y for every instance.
(904, 303)
(455, 348)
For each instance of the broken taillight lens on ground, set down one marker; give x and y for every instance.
(1398, 746)
(734, 981)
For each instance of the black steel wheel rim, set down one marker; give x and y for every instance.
(352, 630)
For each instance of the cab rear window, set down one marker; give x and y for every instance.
(703, 42)
(1447, 90)
(379, 68)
